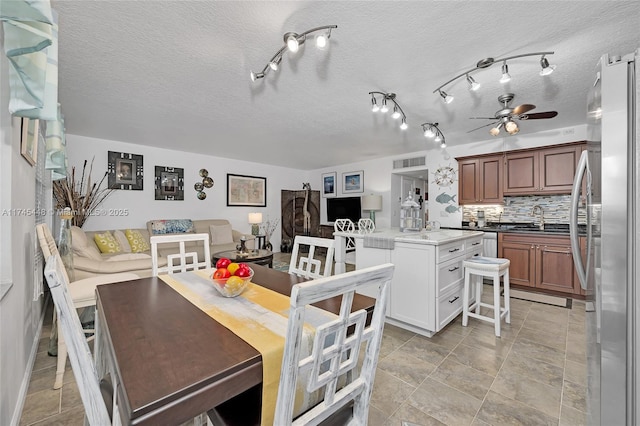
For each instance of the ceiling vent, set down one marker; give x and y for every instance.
(409, 162)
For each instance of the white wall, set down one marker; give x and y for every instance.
(142, 206)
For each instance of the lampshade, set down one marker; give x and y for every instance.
(371, 202)
(255, 218)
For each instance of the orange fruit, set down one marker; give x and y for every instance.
(233, 267)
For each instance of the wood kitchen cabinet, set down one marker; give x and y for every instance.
(541, 171)
(542, 262)
(480, 179)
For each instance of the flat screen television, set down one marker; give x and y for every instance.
(344, 208)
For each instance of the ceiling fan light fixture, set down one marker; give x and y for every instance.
(495, 131)
(447, 99)
(505, 73)
(546, 68)
(511, 127)
(473, 85)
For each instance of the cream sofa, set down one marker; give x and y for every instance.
(88, 261)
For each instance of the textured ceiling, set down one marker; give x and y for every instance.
(175, 74)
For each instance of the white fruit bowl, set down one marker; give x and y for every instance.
(233, 289)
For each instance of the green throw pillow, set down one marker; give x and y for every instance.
(136, 241)
(107, 243)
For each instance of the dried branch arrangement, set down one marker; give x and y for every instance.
(268, 227)
(83, 198)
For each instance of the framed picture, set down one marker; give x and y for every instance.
(125, 171)
(169, 183)
(329, 184)
(353, 182)
(246, 191)
(29, 140)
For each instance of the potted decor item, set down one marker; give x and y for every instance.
(268, 228)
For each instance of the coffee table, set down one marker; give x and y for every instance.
(259, 257)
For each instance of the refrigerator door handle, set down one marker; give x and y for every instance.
(583, 166)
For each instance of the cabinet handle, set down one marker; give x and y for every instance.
(453, 250)
(475, 244)
(558, 251)
(454, 299)
(532, 247)
(454, 269)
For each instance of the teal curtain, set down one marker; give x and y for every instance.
(31, 45)
(56, 157)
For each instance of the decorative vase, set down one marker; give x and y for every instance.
(268, 246)
(64, 242)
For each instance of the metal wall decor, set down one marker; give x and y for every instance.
(169, 183)
(207, 182)
(125, 171)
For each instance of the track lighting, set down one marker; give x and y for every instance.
(431, 130)
(292, 42)
(397, 110)
(486, 63)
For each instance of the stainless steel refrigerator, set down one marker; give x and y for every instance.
(608, 184)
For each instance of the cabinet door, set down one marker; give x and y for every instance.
(554, 268)
(557, 168)
(468, 183)
(522, 258)
(521, 173)
(490, 180)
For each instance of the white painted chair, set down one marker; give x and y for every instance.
(186, 260)
(366, 226)
(346, 225)
(82, 293)
(308, 266)
(333, 356)
(94, 393)
(475, 268)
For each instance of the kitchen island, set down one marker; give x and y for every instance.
(426, 290)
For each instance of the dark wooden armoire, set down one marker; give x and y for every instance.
(292, 213)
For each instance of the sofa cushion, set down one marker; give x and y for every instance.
(221, 234)
(128, 256)
(81, 245)
(122, 240)
(171, 226)
(106, 242)
(137, 242)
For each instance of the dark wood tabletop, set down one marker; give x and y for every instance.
(172, 360)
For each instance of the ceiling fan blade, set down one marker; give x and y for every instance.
(539, 115)
(482, 118)
(521, 109)
(486, 125)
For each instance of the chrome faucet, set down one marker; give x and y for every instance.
(533, 212)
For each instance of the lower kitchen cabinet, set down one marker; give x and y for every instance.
(541, 262)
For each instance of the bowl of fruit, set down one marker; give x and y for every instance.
(231, 278)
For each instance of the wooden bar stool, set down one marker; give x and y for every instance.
(490, 267)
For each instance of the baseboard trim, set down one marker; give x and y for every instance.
(563, 302)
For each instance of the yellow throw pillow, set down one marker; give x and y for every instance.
(136, 241)
(107, 243)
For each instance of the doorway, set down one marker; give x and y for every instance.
(411, 181)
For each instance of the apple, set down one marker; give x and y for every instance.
(244, 266)
(221, 275)
(223, 262)
(243, 272)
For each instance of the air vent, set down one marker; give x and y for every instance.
(409, 162)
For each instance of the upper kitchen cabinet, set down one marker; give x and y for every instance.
(541, 171)
(480, 179)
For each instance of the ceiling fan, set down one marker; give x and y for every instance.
(506, 116)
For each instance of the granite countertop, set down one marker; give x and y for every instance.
(441, 236)
(524, 228)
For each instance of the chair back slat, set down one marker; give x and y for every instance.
(48, 244)
(182, 261)
(366, 226)
(308, 265)
(79, 353)
(335, 350)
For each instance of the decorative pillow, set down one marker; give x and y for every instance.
(172, 226)
(128, 256)
(136, 241)
(122, 240)
(106, 242)
(81, 245)
(221, 234)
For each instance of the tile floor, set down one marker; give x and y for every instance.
(535, 374)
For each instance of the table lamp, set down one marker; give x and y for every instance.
(255, 219)
(372, 203)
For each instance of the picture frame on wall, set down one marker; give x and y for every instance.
(245, 190)
(29, 140)
(125, 171)
(169, 183)
(329, 184)
(353, 182)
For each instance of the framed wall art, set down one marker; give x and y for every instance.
(246, 191)
(329, 184)
(29, 140)
(125, 171)
(353, 182)
(169, 183)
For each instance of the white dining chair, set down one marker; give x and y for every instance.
(366, 226)
(186, 260)
(97, 395)
(306, 264)
(329, 367)
(82, 293)
(346, 225)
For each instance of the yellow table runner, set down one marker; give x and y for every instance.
(258, 316)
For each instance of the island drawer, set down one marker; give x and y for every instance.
(449, 251)
(450, 274)
(449, 306)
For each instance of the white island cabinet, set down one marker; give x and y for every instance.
(426, 291)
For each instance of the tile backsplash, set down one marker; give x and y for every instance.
(518, 209)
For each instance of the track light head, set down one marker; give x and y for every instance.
(256, 76)
(546, 68)
(322, 40)
(473, 85)
(404, 126)
(443, 144)
(374, 105)
(275, 64)
(293, 41)
(447, 99)
(428, 132)
(384, 107)
(396, 113)
(505, 73)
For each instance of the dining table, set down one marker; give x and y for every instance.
(167, 360)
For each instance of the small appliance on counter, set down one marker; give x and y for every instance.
(481, 222)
